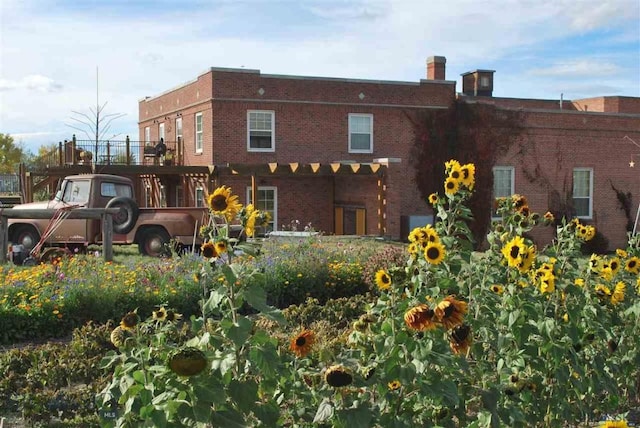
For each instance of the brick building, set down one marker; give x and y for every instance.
(335, 152)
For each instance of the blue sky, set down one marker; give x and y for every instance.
(50, 49)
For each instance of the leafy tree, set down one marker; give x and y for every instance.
(11, 154)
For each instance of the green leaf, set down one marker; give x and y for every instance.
(213, 302)
(239, 332)
(256, 296)
(356, 418)
(268, 413)
(325, 412)
(139, 376)
(159, 419)
(266, 359)
(228, 419)
(209, 391)
(245, 394)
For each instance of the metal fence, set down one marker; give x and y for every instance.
(9, 183)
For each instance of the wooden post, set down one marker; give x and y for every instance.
(254, 190)
(382, 204)
(127, 143)
(107, 237)
(4, 238)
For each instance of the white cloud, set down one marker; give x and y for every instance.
(578, 68)
(34, 82)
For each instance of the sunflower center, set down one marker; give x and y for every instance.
(515, 250)
(455, 174)
(301, 341)
(433, 253)
(385, 279)
(450, 184)
(449, 310)
(219, 203)
(614, 265)
(465, 173)
(632, 264)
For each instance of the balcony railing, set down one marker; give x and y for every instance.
(113, 152)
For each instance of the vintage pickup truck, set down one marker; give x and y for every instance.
(150, 228)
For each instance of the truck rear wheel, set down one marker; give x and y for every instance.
(126, 219)
(153, 242)
(27, 236)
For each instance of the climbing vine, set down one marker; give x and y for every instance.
(471, 133)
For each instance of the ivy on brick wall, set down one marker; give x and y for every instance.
(470, 132)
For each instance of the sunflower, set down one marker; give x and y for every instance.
(119, 336)
(460, 339)
(621, 253)
(497, 288)
(456, 172)
(518, 201)
(513, 251)
(414, 248)
(602, 291)
(547, 283)
(129, 320)
(450, 164)
(548, 218)
(160, 314)
(431, 234)
(383, 280)
(337, 376)
(173, 316)
(618, 293)
(221, 247)
(613, 424)
(187, 361)
(434, 253)
(614, 264)
(595, 263)
(579, 282)
(301, 344)
(433, 198)
(420, 318)
(222, 202)
(393, 385)
(632, 265)
(527, 259)
(451, 186)
(450, 312)
(209, 250)
(468, 175)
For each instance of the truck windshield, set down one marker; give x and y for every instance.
(76, 192)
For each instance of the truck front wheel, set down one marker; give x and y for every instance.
(153, 242)
(27, 236)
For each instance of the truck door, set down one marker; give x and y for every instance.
(73, 192)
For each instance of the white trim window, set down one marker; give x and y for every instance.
(360, 133)
(161, 132)
(267, 200)
(199, 133)
(147, 136)
(583, 192)
(199, 197)
(503, 183)
(179, 129)
(261, 130)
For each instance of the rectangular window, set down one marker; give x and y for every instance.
(111, 190)
(267, 200)
(148, 196)
(161, 132)
(583, 192)
(260, 131)
(360, 133)
(179, 196)
(198, 132)
(179, 129)
(147, 136)
(199, 197)
(503, 182)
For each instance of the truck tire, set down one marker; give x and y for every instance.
(126, 219)
(27, 236)
(152, 241)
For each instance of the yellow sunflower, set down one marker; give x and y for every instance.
(632, 265)
(393, 385)
(548, 218)
(337, 376)
(221, 247)
(613, 424)
(621, 253)
(173, 316)
(518, 202)
(618, 293)
(451, 186)
(383, 280)
(450, 312)
(602, 291)
(301, 344)
(595, 263)
(431, 234)
(455, 172)
(497, 288)
(468, 175)
(420, 318)
(528, 256)
(433, 198)
(209, 250)
(614, 264)
(460, 339)
(129, 320)
(547, 283)
(223, 202)
(450, 164)
(513, 251)
(119, 336)
(160, 314)
(434, 253)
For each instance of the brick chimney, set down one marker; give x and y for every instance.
(436, 67)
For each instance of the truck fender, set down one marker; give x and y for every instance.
(126, 219)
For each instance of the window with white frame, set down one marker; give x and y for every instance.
(199, 197)
(161, 132)
(583, 192)
(503, 182)
(261, 127)
(147, 136)
(266, 200)
(360, 133)
(179, 129)
(199, 132)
